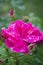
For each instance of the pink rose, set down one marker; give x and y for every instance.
(19, 35)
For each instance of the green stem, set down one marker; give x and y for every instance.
(17, 61)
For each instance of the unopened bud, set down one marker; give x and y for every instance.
(25, 18)
(31, 46)
(11, 13)
(1, 61)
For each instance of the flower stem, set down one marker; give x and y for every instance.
(17, 62)
(16, 58)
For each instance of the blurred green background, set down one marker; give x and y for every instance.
(31, 8)
(34, 10)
